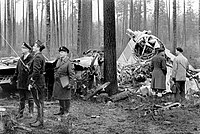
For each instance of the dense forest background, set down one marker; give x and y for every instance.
(78, 24)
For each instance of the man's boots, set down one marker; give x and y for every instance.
(66, 108)
(39, 120)
(31, 107)
(62, 105)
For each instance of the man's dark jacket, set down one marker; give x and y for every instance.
(37, 69)
(21, 72)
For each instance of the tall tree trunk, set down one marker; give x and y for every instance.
(169, 24)
(110, 65)
(85, 32)
(41, 20)
(139, 15)
(156, 17)
(168, 19)
(61, 29)
(123, 24)
(14, 23)
(0, 29)
(5, 24)
(26, 24)
(37, 20)
(53, 26)
(184, 22)
(174, 27)
(63, 22)
(145, 14)
(131, 16)
(199, 24)
(23, 20)
(9, 26)
(90, 17)
(79, 29)
(99, 22)
(72, 23)
(48, 27)
(57, 26)
(67, 34)
(31, 23)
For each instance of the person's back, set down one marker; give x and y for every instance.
(158, 65)
(182, 67)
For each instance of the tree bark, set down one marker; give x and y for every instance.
(57, 24)
(60, 16)
(145, 14)
(0, 29)
(85, 32)
(23, 21)
(91, 26)
(79, 29)
(48, 27)
(53, 25)
(63, 23)
(41, 20)
(110, 65)
(131, 16)
(67, 34)
(174, 27)
(31, 23)
(5, 24)
(14, 23)
(199, 24)
(169, 26)
(72, 23)
(9, 26)
(184, 23)
(156, 17)
(99, 22)
(26, 24)
(37, 20)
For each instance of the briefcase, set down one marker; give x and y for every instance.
(64, 81)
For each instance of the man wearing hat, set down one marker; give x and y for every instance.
(64, 73)
(21, 76)
(180, 67)
(37, 81)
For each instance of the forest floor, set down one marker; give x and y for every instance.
(123, 117)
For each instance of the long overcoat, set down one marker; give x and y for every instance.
(158, 65)
(63, 68)
(21, 72)
(37, 69)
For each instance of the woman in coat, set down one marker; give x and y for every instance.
(63, 94)
(158, 64)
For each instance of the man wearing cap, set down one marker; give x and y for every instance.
(180, 67)
(63, 69)
(37, 81)
(21, 77)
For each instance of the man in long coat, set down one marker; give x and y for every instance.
(158, 64)
(63, 69)
(37, 81)
(21, 76)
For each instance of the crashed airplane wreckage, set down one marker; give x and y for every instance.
(134, 64)
(133, 67)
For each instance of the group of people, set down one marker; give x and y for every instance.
(30, 80)
(178, 76)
